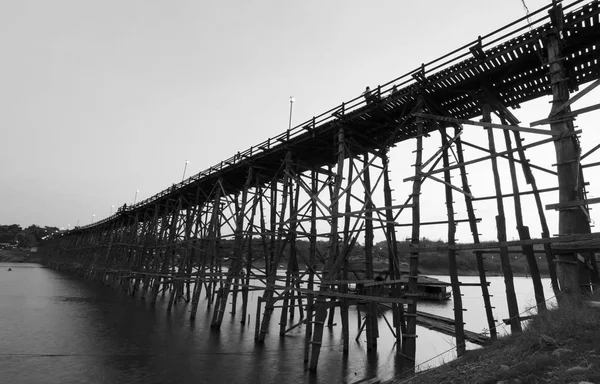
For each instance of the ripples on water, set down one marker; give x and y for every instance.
(59, 329)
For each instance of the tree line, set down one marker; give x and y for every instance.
(28, 237)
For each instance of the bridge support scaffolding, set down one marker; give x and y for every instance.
(308, 220)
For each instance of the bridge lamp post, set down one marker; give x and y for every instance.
(184, 169)
(93, 217)
(111, 209)
(135, 197)
(292, 99)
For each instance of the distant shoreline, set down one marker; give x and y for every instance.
(19, 256)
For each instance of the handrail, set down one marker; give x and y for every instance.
(405, 81)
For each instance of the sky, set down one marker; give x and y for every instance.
(103, 99)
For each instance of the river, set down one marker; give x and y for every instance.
(55, 328)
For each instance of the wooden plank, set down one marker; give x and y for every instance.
(485, 124)
(564, 115)
(514, 243)
(571, 204)
(575, 98)
(436, 222)
(590, 152)
(447, 183)
(520, 194)
(591, 165)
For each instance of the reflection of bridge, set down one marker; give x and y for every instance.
(249, 213)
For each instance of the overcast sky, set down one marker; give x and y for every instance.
(103, 98)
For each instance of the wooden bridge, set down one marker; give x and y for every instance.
(239, 226)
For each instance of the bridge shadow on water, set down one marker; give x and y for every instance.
(61, 329)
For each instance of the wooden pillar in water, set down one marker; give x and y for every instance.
(371, 318)
(511, 298)
(331, 264)
(530, 179)
(235, 265)
(459, 325)
(291, 240)
(209, 252)
(162, 263)
(275, 253)
(409, 338)
(312, 256)
(234, 287)
(250, 257)
(475, 233)
(394, 266)
(522, 229)
(345, 250)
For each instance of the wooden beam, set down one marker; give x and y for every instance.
(591, 165)
(566, 115)
(469, 162)
(520, 194)
(436, 222)
(572, 204)
(446, 183)
(575, 98)
(590, 152)
(484, 124)
(514, 243)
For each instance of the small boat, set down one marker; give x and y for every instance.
(428, 288)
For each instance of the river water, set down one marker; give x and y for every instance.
(55, 328)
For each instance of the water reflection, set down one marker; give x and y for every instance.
(59, 329)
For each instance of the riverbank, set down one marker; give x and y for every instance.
(560, 346)
(19, 256)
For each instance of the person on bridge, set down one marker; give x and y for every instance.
(369, 96)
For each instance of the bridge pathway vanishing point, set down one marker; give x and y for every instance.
(326, 183)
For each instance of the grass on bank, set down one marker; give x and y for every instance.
(562, 345)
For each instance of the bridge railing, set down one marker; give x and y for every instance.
(391, 90)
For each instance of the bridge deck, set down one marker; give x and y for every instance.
(512, 67)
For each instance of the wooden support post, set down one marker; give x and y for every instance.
(409, 340)
(291, 239)
(523, 230)
(246, 279)
(314, 177)
(478, 254)
(459, 325)
(321, 304)
(209, 253)
(511, 298)
(572, 275)
(393, 264)
(530, 178)
(371, 316)
(346, 248)
(235, 265)
(168, 223)
(274, 262)
(178, 270)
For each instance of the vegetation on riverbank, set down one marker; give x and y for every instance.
(430, 263)
(561, 345)
(31, 236)
(19, 256)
